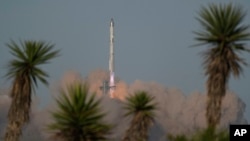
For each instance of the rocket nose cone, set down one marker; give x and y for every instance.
(112, 22)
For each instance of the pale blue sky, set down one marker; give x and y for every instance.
(152, 40)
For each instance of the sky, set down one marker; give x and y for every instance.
(152, 40)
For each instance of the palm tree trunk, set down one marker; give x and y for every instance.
(216, 84)
(213, 111)
(138, 130)
(19, 110)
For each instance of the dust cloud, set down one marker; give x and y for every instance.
(177, 113)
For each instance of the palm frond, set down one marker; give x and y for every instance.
(79, 115)
(141, 107)
(222, 29)
(139, 102)
(24, 71)
(222, 23)
(28, 56)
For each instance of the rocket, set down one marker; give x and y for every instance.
(111, 60)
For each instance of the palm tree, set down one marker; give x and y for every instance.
(224, 33)
(25, 71)
(79, 117)
(141, 107)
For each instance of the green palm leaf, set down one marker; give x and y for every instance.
(78, 117)
(223, 31)
(28, 57)
(25, 71)
(141, 107)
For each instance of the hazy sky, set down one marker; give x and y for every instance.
(152, 40)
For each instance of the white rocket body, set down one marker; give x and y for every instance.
(111, 61)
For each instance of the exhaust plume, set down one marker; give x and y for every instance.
(177, 113)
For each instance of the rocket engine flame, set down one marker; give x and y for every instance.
(112, 84)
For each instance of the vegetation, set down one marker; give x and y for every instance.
(204, 135)
(141, 107)
(224, 34)
(79, 117)
(25, 71)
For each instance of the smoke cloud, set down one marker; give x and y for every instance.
(177, 113)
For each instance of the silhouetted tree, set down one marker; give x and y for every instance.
(79, 117)
(25, 71)
(224, 34)
(141, 107)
